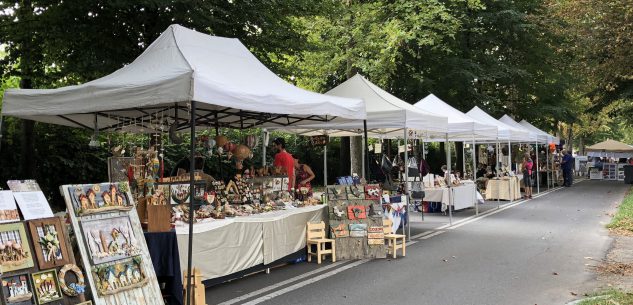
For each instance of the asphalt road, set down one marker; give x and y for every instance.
(534, 252)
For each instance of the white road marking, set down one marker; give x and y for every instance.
(421, 234)
(431, 235)
(283, 283)
(305, 283)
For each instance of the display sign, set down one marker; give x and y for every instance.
(8, 209)
(33, 205)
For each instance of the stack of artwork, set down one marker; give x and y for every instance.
(111, 241)
(32, 252)
(355, 215)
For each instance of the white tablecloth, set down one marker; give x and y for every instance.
(463, 196)
(223, 247)
(504, 189)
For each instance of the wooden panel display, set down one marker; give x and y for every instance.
(123, 281)
(352, 220)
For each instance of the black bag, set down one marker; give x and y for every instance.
(414, 171)
(386, 165)
(417, 191)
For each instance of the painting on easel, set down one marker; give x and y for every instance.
(110, 239)
(99, 198)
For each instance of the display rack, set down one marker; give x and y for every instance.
(621, 171)
(610, 171)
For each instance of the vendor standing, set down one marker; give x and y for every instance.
(304, 175)
(285, 160)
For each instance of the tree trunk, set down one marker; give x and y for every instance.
(356, 151)
(27, 166)
(570, 146)
(344, 166)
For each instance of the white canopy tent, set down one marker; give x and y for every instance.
(461, 127)
(387, 115)
(214, 80)
(232, 88)
(533, 136)
(550, 138)
(505, 133)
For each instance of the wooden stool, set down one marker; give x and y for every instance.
(392, 239)
(198, 296)
(316, 236)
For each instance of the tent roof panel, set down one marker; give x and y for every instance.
(182, 65)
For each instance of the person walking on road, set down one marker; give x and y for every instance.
(528, 165)
(566, 165)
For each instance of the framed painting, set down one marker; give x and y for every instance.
(179, 193)
(110, 239)
(15, 253)
(100, 198)
(357, 229)
(355, 192)
(112, 278)
(17, 290)
(118, 168)
(49, 243)
(46, 286)
(355, 212)
(372, 192)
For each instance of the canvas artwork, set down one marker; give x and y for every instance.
(8, 207)
(110, 239)
(118, 276)
(372, 192)
(357, 229)
(339, 209)
(99, 198)
(14, 248)
(46, 286)
(118, 168)
(17, 289)
(355, 192)
(180, 193)
(49, 242)
(160, 196)
(336, 192)
(339, 230)
(356, 212)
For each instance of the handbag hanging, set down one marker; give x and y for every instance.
(417, 190)
(412, 164)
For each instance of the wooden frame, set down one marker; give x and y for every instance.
(45, 282)
(22, 291)
(114, 277)
(50, 228)
(13, 238)
(90, 199)
(110, 239)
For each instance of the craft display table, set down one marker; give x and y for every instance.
(507, 188)
(163, 249)
(464, 196)
(226, 246)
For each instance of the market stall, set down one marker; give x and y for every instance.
(612, 151)
(461, 128)
(387, 117)
(182, 80)
(507, 135)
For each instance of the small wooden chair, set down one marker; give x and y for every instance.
(316, 236)
(392, 239)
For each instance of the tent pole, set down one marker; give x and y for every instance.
(538, 173)
(325, 165)
(366, 168)
(448, 180)
(463, 160)
(264, 132)
(509, 170)
(474, 151)
(422, 178)
(192, 178)
(1, 121)
(497, 158)
(547, 165)
(406, 181)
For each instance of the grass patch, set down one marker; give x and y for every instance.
(610, 297)
(622, 222)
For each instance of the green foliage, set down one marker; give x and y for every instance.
(609, 297)
(623, 219)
